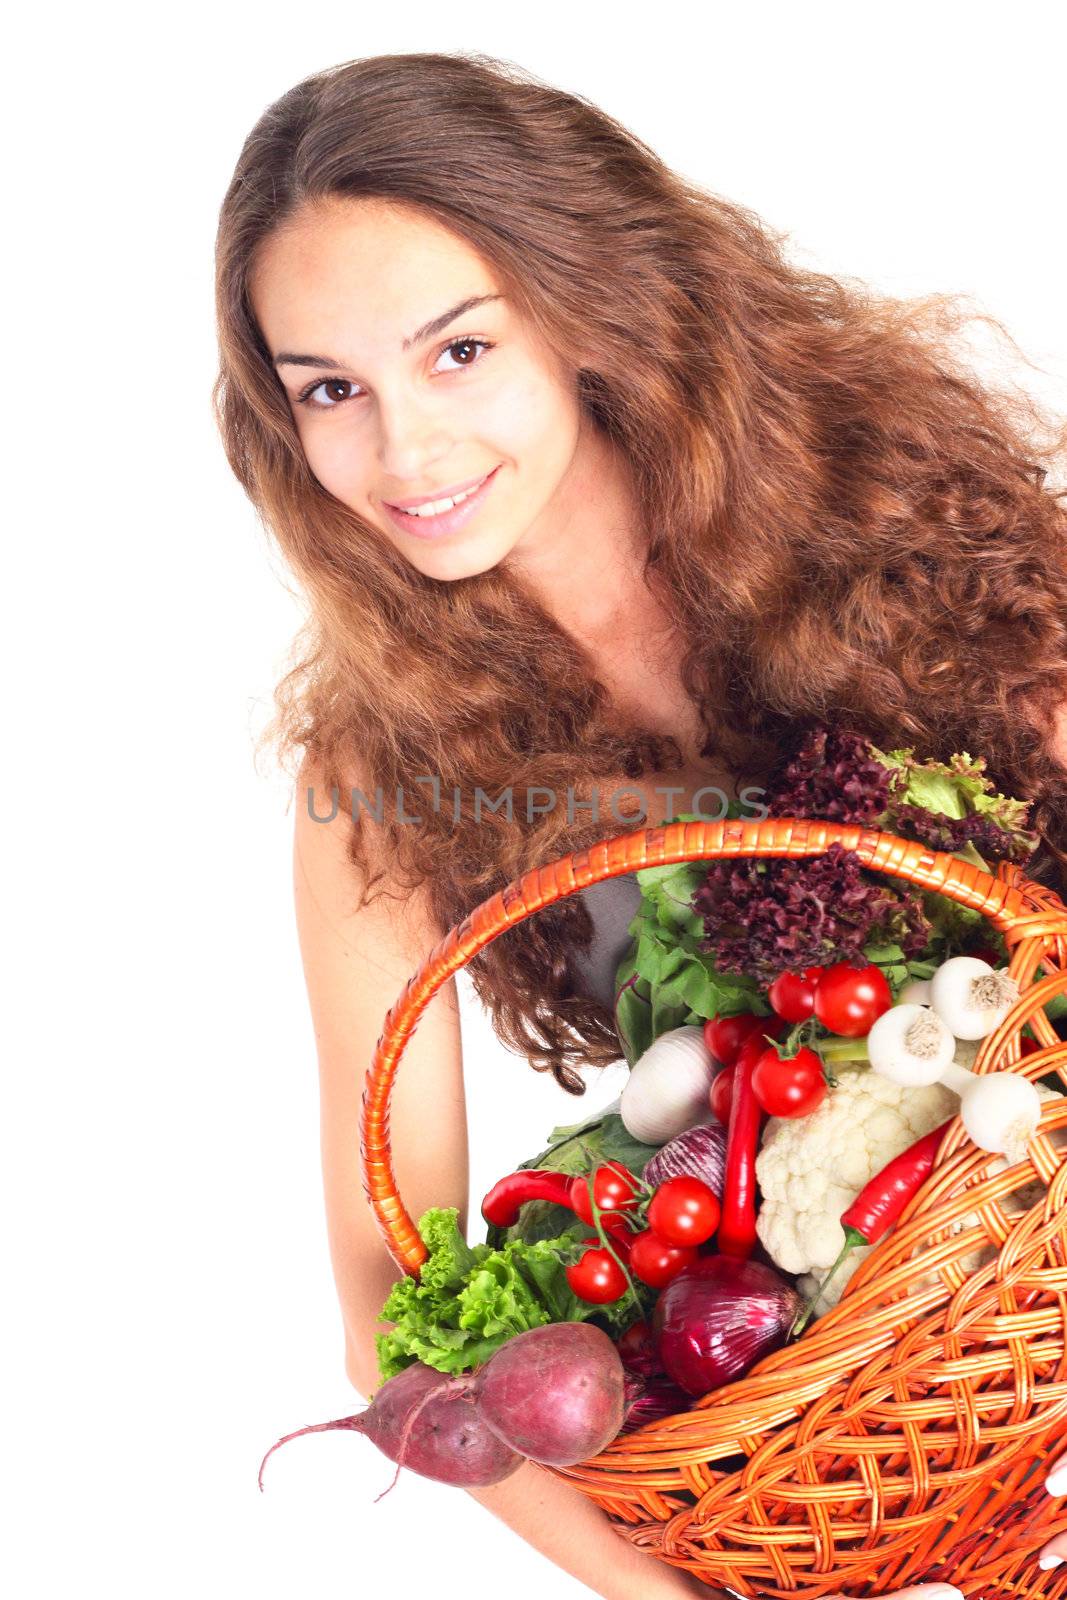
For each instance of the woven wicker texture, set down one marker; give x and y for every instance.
(905, 1436)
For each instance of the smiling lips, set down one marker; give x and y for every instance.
(432, 519)
(430, 500)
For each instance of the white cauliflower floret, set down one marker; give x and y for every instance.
(810, 1169)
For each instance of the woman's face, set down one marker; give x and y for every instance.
(398, 402)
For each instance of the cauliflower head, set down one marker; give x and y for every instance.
(810, 1169)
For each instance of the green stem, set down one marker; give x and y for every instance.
(843, 1049)
(853, 1239)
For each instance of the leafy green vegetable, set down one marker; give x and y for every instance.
(665, 981)
(469, 1300)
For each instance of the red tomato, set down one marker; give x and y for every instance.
(724, 1036)
(656, 1262)
(849, 1000)
(1027, 1046)
(721, 1094)
(597, 1277)
(792, 994)
(614, 1188)
(789, 1088)
(684, 1211)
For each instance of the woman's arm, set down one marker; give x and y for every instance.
(355, 965)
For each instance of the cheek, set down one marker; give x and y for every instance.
(530, 415)
(335, 460)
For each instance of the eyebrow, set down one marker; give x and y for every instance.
(286, 358)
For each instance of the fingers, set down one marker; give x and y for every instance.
(1056, 1482)
(924, 1591)
(1054, 1552)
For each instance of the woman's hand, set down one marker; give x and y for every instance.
(925, 1591)
(1056, 1549)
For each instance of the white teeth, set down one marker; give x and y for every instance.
(432, 508)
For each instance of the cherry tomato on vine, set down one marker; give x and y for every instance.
(721, 1094)
(655, 1261)
(792, 994)
(789, 1087)
(620, 1237)
(849, 1000)
(724, 1036)
(597, 1277)
(684, 1210)
(614, 1188)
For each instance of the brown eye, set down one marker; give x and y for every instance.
(467, 344)
(324, 383)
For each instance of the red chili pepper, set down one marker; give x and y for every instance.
(737, 1226)
(880, 1203)
(502, 1204)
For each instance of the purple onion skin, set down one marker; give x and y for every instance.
(697, 1153)
(650, 1399)
(715, 1320)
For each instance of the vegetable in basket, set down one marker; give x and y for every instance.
(810, 1169)
(708, 941)
(554, 1394)
(468, 1300)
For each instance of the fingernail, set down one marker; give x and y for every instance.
(941, 1591)
(1056, 1482)
(1049, 1561)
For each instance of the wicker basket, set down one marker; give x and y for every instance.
(905, 1436)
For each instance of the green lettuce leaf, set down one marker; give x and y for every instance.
(469, 1300)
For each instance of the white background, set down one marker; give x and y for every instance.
(171, 1307)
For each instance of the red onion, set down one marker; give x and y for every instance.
(649, 1399)
(697, 1153)
(715, 1320)
(637, 1350)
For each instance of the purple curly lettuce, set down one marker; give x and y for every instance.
(762, 918)
(834, 777)
(952, 833)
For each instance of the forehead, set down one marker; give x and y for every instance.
(362, 270)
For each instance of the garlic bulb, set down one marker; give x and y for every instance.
(667, 1090)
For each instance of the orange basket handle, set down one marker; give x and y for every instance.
(995, 897)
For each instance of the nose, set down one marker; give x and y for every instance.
(411, 441)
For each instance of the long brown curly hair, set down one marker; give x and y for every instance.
(847, 523)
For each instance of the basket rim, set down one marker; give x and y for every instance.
(1019, 908)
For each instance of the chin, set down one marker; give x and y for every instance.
(460, 560)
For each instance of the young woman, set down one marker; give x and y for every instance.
(598, 501)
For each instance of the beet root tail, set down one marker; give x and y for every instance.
(355, 1423)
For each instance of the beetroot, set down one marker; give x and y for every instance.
(430, 1422)
(554, 1393)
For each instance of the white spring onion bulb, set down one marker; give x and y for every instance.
(971, 997)
(916, 992)
(910, 1044)
(1000, 1110)
(667, 1090)
(913, 1046)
